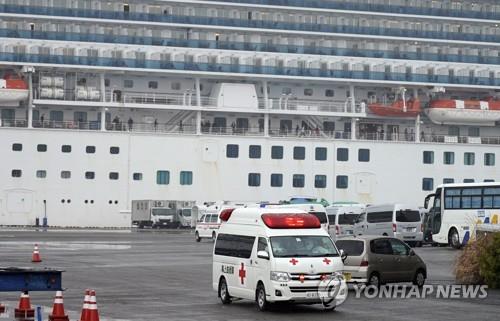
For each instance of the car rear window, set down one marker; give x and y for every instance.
(379, 217)
(321, 216)
(407, 216)
(347, 219)
(351, 247)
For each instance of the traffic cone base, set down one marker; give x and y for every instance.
(36, 258)
(58, 309)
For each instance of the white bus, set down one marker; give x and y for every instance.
(458, 208)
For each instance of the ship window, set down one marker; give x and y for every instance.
(489, 180)
(186, 178)
(363, 155)
(113, 175)
(17, 147)
(65, 174)
(128, 83)
(321, 153)
(41, 173)
(107, 82)
(17, 173)
(468, 180)
(137, 176)
(277, 152)
(153, 85)
(276, 180)
(298, 180)
(66, 148)
(254, 151)
(254, 179)
(342, 154)
(89, 175)
(427, 184)
(286, 90)
(489, 159)
(469, 158)
(90, 149)
(342, 181)
(41, 148)
(114, 150)
(232, 151)
(474, 131)
(299, 152)
(162, 177)
(449, 158)
(428, 157)
(320, 181)
(175, 86)
(329, 93)
(448, 181)
(308, 92)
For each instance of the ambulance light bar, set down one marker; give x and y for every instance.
(225, 214)
(284, 221)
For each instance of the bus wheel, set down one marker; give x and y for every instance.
(224, 292)
(214, 236)
(197, 236)
(454, 239)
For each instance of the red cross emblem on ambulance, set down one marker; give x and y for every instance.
(242, 273)
(294, 261)
(327, 261)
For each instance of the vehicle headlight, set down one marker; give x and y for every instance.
(280, 276)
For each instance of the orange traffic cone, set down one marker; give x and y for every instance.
(58, 309)
(24, 311)
(93, 312)
(35, 258)
(85, 308)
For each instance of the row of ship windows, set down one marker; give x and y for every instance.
(162, 176)
(17, 147)
(428, 182)
(449, 158)
(298, 180)
(299, 153)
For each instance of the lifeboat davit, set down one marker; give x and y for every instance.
(464, 112)
(13, 89)
(397, 108)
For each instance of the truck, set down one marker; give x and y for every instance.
(161, 213)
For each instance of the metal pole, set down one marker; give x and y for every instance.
(30, 100)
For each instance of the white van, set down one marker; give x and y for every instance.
(272, 255)
(341, 219)
(316, 209)
(208, 223)
(398, 220)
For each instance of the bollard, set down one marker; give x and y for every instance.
(39, 314)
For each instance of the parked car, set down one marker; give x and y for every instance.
(376, 260)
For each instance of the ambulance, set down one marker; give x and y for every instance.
(272, 255)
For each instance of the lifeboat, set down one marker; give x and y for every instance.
(13, 89)
(397, 108)
(464, 112)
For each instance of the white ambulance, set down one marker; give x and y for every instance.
(272, 255)
(208, 222)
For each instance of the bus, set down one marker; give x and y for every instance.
(457, 209)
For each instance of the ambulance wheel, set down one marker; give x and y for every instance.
(214, 236)
(224, 292)
(197, 236)
(260, 296)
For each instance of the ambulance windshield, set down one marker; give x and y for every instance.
(302, 246)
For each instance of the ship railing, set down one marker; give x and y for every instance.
(286, 103)
(308, 133)
(151, 127)
(185, 99)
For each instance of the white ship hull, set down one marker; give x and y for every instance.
(451, 116)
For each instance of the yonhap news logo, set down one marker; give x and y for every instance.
(403, 291)
(333, 290)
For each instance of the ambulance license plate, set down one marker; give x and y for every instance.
(312, 295)
(347, 276)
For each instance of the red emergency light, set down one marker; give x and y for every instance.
(225, 214)
(283, 221)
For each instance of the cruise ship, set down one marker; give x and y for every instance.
(370, 101)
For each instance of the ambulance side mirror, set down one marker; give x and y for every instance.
(343, 255)
(263, 255)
